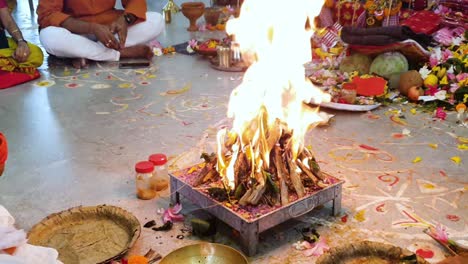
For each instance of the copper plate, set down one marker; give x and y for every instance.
(205, 253)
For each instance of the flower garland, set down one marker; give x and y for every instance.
(378, 9)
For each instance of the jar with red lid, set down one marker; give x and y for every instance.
(145, 180)
(161, 177)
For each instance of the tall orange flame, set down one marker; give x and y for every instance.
(274, 86)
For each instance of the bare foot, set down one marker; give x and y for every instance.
(137, 51)
(80, 63)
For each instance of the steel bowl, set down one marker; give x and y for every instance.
(205, 253)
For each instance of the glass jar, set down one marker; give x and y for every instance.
(161, 177)
(144, 180)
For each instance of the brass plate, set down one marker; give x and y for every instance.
(81, 235)
(205, 253)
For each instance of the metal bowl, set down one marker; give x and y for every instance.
(205, 253)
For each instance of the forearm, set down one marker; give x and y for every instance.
(10, 25)
(78, 26)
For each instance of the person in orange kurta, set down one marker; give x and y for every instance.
(95, 30)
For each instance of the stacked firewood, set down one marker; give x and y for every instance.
(265, 170)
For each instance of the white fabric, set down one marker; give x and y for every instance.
(25, 253)
(61, 42)
(6, 219)
(11, 237)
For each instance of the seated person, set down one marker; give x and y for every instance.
(16, 55)
(94, 30)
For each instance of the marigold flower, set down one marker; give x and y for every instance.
(137, 260)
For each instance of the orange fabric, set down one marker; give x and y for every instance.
(3, 149)
(54, 12)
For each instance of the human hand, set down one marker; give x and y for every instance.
(120, 27)
(105, 36)
(22, 52)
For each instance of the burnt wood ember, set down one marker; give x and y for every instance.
(265, 168)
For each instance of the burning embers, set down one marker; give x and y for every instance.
(262, 159)
(271, 176)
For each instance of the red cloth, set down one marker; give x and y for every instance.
(426, 22)
(9, 79)
(3, 4)
(349, 13)
(3, 148)
(373, 86)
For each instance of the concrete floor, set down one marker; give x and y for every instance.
(74, 137)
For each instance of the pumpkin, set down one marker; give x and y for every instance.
(356, 62)
(389, 63)
(409, 79)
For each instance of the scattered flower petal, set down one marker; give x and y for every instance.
(453, 218)
(425, 253)
(173, 214)
(184, 89)
(424, 71)
(441, 95)
(406, 132)
(433, 145)
(417, 159)
(456, 159)
(463, 147)
(439, 232)
(318, 248)
(398, 120)
(45, 83)
(440, 113)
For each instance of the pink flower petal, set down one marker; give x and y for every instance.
(440, 113)
(318, 248)
(166, 217)
(177, 208)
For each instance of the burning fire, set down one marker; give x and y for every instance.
(274, 88)
(262, 159)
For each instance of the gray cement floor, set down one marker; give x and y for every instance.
(74, 137)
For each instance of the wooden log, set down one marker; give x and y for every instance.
(245, 198)
(257, 194)
(296, 179)
(211, 175)
(306, 171)
(209, 167)
(241, 169)
(313, 165)
(274, 134)
(282, 174)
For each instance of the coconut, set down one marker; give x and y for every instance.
(409, 79)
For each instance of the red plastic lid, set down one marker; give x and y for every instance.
(349, 86)
(144, 167)
(3, 149)
(158, 159)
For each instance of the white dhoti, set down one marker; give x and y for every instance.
(61, 42)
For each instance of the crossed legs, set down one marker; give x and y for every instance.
(61, 42)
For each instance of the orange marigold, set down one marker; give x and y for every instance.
(137, 260)
(460, 107)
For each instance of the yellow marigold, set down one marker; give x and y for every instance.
(137, 260)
